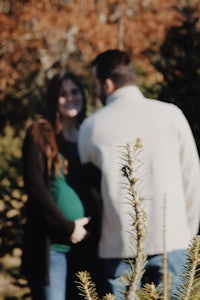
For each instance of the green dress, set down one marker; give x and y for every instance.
(68, 202)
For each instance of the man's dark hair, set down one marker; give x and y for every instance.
(116, 65)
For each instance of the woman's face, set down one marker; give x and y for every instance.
(70, 100)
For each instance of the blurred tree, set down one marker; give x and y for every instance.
(12, 211)
(39, 37)
(179, 64)
(12, 197)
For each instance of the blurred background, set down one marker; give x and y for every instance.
(38, 38)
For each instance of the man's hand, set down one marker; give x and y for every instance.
(79, 232)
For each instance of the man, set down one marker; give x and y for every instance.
(172, 166)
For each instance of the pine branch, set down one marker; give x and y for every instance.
(109, 297)
(149, 292)
(87, 287)
(191, 287)
(165, 274)
(133, 163)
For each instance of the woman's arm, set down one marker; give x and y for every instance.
(58, 227)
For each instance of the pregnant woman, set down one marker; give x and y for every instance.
(55, 214)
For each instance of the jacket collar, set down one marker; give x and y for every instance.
(129, 91)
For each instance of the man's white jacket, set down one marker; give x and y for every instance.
(171, 165)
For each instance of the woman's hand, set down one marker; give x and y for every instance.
(79, 232)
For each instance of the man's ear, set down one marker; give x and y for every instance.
(109, 86)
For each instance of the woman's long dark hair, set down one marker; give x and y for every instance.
(52, 95)
(43, 135)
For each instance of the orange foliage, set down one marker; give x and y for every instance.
(35, 35)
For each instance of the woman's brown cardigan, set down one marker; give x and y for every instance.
(45, 222)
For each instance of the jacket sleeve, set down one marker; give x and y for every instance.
(40, 198)
(85, 147)
(190, 171)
